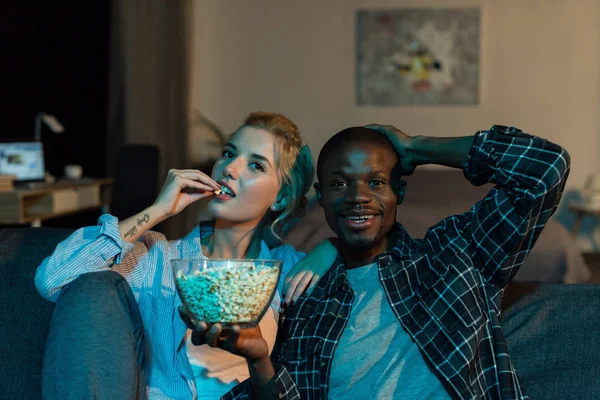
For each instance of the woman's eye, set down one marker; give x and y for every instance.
(338, 184)
(257, 166)
(377, 183)
(227, 154)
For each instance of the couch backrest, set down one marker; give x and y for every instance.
(553, 337)
(24, 315)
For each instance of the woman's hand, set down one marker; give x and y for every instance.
(402, 144)
(244, 342)
(182, 188)
(307, 272)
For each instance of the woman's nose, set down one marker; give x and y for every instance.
(231, 170)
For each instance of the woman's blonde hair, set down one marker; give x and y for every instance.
(294, 164)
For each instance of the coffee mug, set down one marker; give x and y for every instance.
(73, 171)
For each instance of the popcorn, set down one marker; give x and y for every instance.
(228, 295)
(217, 192)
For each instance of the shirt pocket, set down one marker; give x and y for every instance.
(298, 352)
(455, 299)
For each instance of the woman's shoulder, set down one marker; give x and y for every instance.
(287, 253)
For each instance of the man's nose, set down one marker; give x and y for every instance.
(358, 194)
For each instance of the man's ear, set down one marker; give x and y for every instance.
(317, 187)
(400, 190)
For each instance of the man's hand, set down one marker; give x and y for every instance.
(247, 342)
(402, 144)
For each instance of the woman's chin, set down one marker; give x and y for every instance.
(232, 215)
(215, 208)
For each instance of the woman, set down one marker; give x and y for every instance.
(259, 181)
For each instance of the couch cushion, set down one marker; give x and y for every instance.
(24, 315)
(552, 332)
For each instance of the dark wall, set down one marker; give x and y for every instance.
(54, 58)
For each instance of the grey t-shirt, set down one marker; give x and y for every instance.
(375, 357)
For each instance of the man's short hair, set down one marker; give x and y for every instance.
(353, 135)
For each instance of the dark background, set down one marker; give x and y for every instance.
(54, 58)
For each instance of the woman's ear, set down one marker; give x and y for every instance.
(317, 187)
(280, 203)
(400, 190)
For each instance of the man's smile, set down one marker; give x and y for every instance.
(358, 219)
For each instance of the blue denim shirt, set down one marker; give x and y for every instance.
(146, 266)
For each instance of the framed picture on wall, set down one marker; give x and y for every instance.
(418, 56)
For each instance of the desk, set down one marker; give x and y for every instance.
(32, 206)
(581, 210)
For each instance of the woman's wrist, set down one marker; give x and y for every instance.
(134, 227)
(157, 212)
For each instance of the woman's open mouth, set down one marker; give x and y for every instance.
(224, 193)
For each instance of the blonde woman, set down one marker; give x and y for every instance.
(119, 335)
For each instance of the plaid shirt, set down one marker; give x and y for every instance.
(446, 288)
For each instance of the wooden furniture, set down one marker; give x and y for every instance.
(32, 206)
(582, 210)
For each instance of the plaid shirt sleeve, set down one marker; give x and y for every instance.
(530, 175)
(284, 388)
(283, 385)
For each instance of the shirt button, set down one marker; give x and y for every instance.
(322, 364)
(281, 395)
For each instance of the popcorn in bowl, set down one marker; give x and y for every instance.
(227, 291)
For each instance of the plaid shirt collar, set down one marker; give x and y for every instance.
(400, 247)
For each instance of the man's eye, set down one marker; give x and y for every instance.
(257, 166)
(377, 182)
(227, 154)
(338, 184)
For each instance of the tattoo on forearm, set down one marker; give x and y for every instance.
(145, 218)
(131, 232)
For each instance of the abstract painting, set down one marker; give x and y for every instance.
(418, 56)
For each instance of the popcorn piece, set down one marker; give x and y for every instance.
(218, 192)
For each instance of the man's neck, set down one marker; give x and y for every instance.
(232, 241)
(358, 257)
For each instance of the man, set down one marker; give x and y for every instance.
(402, 318)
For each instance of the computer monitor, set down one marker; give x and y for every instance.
(23, 159)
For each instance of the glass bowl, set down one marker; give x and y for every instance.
(230, 292)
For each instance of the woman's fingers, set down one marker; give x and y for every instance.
(191, 184)
(286, 284)
(313, 283)
(198, 176)
(292, 284)
(302, 285)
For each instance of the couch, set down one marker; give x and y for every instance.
(553, 330)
